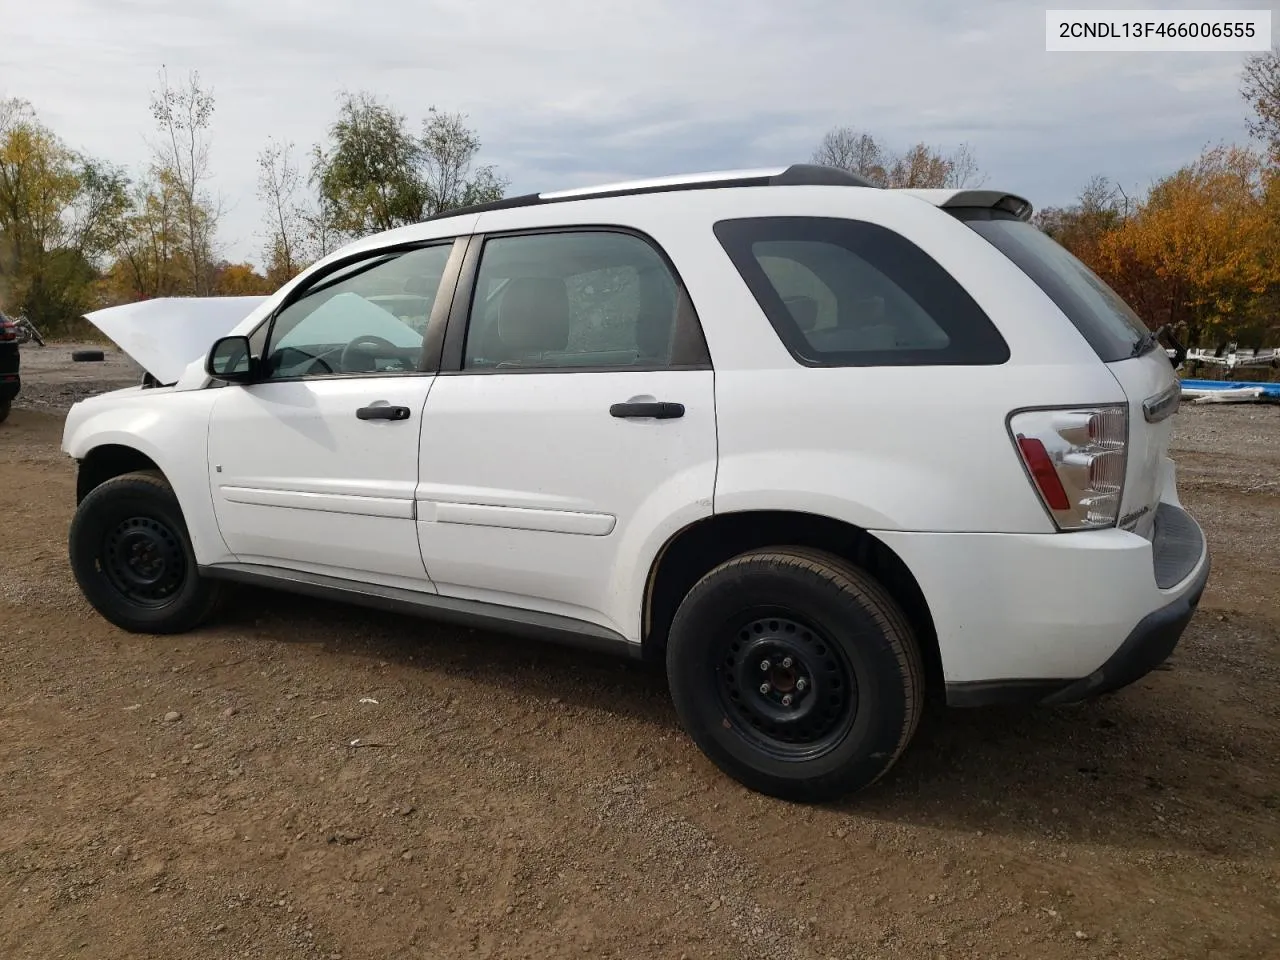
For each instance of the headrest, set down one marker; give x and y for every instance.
(421, 284)
(534, 315)
(804, 310)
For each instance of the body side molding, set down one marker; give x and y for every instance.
(530, 623)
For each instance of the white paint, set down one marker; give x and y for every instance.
(543, 452)
(164, 335)
(518, 518)
(520, 489)
(304, 480)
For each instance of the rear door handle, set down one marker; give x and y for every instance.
(383, 413)
(657, 410)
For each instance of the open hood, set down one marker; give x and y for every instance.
(164, 336)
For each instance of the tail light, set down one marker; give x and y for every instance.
(7, 330)
(1076, 460)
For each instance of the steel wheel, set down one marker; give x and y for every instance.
(787, 687)
(143, 559)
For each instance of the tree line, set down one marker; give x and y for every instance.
(1199, 249)
(77, 233)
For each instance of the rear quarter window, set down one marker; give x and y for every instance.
(842, 292)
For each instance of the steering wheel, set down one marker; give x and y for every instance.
(365, 339)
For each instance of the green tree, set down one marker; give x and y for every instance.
(152, 255)
(376, 175)
(369, 176)
(60, 213)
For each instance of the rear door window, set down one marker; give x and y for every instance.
(1108, 323)
(590, 299)
(848, 293)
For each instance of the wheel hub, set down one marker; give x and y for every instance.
(143, 560)
(785, 684)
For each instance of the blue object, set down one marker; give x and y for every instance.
(1268, 389)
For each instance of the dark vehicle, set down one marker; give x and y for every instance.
(9, 363)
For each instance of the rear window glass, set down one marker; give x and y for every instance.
(1102, 317)
(848, 293)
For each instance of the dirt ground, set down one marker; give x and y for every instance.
(307, 780)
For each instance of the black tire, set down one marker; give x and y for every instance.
(132, 556)
(831, 624)
(86, 356)
(5, 407)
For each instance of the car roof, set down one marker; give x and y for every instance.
(462, 220)
(798, 174)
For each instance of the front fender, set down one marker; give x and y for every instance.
(171, 429)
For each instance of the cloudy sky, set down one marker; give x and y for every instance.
(573, 92)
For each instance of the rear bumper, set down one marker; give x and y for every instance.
(1148, 645)
(1056, 618)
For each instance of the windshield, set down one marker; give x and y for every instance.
(1102, 317)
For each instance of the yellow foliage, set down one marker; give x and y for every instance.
(1207, 235)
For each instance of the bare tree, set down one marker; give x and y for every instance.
(1099, 195)
(964, 170)
(852, 150)
(14, 111)
(183, 115)
(278, 181)
(920, 166)
(448, 149)
(1260, 86)
(320, 216)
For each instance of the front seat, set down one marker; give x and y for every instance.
(533, 320)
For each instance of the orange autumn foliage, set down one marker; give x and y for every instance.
(1203, 249)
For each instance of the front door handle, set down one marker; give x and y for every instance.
(657, 410)
(383, 413)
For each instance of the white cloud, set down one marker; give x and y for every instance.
(565, 92)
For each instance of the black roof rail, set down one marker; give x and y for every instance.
(798, 174)
(815, 175)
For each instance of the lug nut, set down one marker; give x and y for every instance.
(786, 700)
(801, 684)
(786, 663)
(765, 664)
(765, 688)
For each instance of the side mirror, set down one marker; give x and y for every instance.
(230, 359)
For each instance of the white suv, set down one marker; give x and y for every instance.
(828, 449)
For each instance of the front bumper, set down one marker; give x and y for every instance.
(1055, 618)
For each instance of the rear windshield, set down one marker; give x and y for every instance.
(1103, 319)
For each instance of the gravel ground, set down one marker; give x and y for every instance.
(52, 381)
(306, 780)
